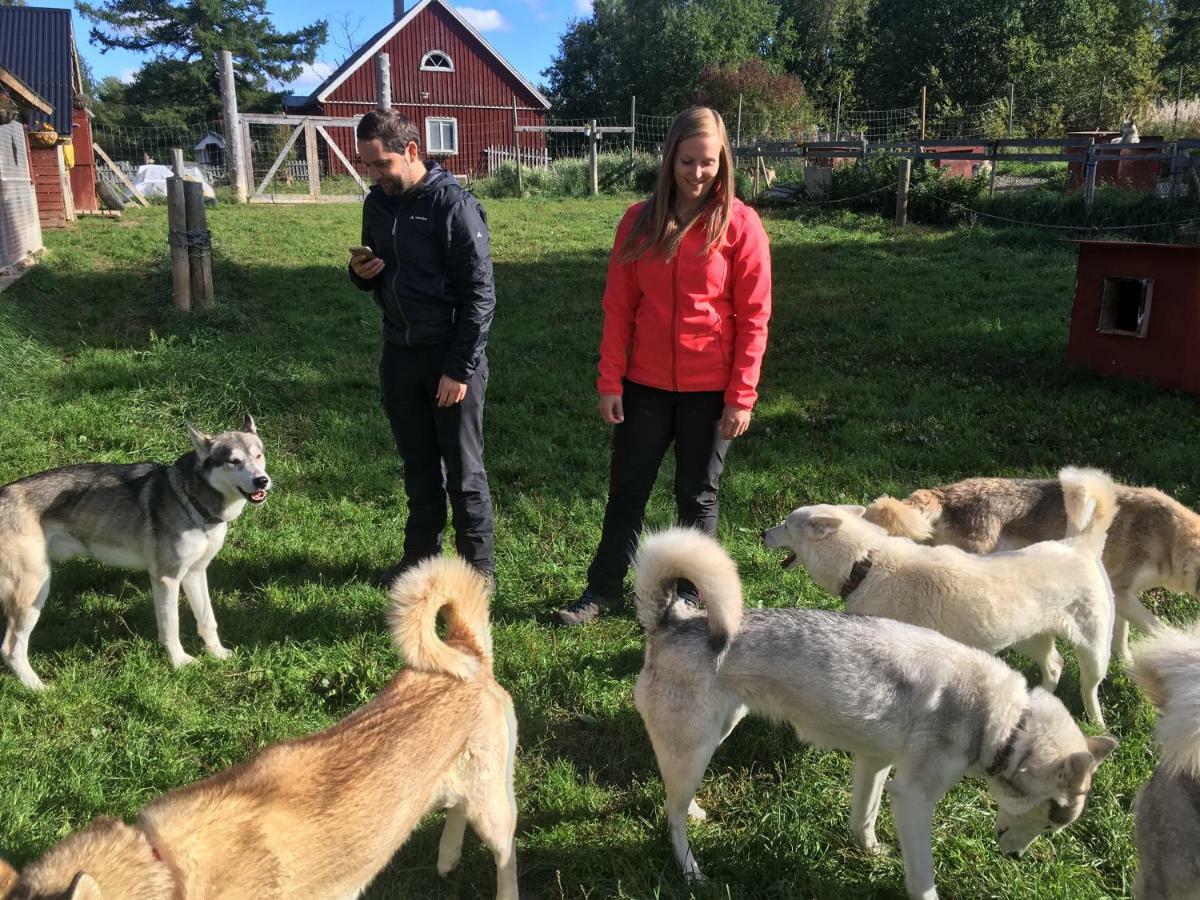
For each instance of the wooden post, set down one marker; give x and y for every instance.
(312, 158)
(1012, 103)
(633, 125)
(902, 191)
(199, 249)
(248, 157)
(739, 122)
(1175, 170)
(383, 82)
(992, 174)
(233, 134)
(1100, 108)
(862, 159)
(593, 161)
(837, 122)
(1178, 91)
(923, 112)
(517, 145)
(181, 289)
(137, 195)
(177, 162)
(1089, 181)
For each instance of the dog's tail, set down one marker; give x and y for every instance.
(686, 553)
(450, 584)
(1090, 498)
(1167, 666)
(903, 518)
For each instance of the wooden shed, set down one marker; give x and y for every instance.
(444, 76)
(1136, 312)
(38, 46)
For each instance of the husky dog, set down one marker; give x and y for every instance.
(1154, 542)
(1129, 133)
(891, 694)
(1167, 809)
(320, 816)
(1021, 599)
(167, 520)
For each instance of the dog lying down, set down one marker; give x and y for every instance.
(889, 693)
(320, 816)
(1167, 810)
(1022, 599)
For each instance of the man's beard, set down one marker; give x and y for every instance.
(392, 186)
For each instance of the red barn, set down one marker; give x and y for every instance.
(445, 77)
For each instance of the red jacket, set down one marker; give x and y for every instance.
(692, 323)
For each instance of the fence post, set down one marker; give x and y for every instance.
(248, 158)
(632, 125)
(1012, 102)
(199, 246)
(922, 112)
(383, 82)
(312, 160)
(1100, 108)
(593, 150)
(1178, 91)
(517, 146)
(1175, 171)
(902, 191)
(177, 161)
(738, 140)
(862, 157)
(181, 288)
(234, 152)
(1089, 181)
(837, 122)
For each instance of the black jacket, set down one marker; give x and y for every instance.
(436, 286)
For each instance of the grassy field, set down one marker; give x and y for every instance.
(897, 359)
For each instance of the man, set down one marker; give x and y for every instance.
(430, 269)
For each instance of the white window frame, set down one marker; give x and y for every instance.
(439, 121)
(426, 67)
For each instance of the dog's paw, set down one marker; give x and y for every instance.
(879, 849)
(696, 812)
(219, 652)
(179, 660)
(447, 864)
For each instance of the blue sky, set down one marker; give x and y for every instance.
(525, 32)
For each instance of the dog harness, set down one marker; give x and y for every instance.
(1005, 753)
(858, 572)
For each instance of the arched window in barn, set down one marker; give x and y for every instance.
(437, 61)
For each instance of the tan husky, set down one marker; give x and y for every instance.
(320, 816)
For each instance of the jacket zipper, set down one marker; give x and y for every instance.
(675, 320)
(395, 278)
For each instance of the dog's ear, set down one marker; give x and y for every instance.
(859, 511)
(1073, 769)
(84, 887)
(1101, 748)
(248, 425)
(8, 879)
(201, 442)
(823, 526)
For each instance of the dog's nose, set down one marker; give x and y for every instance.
(261, 481)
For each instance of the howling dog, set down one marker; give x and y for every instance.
(889, 693)
(319, 816)
(167, 520)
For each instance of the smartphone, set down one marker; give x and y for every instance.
(365, 253)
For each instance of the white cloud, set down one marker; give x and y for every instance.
(126, 76)
(484, 20)
(584, 7)
(311, 75)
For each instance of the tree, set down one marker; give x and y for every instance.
(773, 104)
(181, 80)
(1182, 44)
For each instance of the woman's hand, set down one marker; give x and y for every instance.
(611, 409)
(734, 422)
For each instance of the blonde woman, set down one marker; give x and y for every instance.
(685, 327)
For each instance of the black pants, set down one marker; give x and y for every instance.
(654, 419)
(442, 449)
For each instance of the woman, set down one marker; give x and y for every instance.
(685, 326)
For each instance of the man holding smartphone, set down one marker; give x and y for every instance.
(425, 255)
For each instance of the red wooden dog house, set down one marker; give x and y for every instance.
(1136, 312)
(1120, 165)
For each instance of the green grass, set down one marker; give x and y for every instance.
(897, 359)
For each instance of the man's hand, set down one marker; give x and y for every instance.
(612, 410)
(450, 391)
(734, 422)
(365, 268)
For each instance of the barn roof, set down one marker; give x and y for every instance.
(377, 41)
(38, 46)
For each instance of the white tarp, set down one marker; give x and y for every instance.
(151, 179)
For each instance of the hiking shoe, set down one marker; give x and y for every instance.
(385, 578)
(586, 609)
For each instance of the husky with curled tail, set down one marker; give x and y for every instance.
(1167, 809)
(1022, 599)
(891, 694)
(320, 816)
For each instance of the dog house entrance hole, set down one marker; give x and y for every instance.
(1125, 306)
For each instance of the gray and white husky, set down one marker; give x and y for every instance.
(1167, 810)
(890, 693)
(169, 520)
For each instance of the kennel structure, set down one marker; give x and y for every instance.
(1136, 312)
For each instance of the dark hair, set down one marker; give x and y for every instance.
(394, 129)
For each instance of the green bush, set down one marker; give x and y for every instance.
(615, 174)
(931, 191)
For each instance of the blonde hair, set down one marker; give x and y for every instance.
(657, 228)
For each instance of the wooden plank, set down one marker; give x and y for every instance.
(305, 198)
(263, 119)
(291, 142)
(337, 151)
(311, 159)
(137, 195)
(27, 95)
